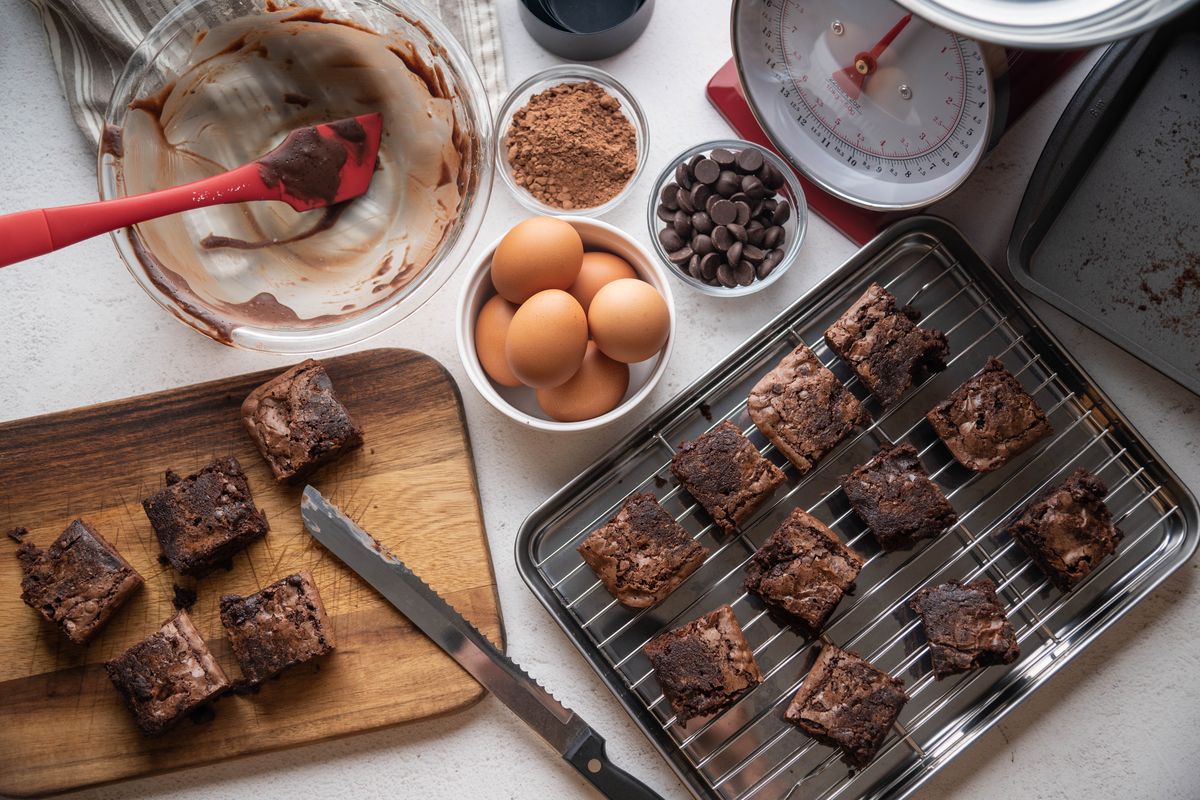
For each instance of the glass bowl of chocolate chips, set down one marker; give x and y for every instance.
(727, 217)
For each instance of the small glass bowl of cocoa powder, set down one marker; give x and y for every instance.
(571, 140)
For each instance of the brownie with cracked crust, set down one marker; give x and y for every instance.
(848, 703)
(1070, 530)
(885, 346)
(726, 474)
(167, 675)
(642, 554)
(989, 419)
(277, 627)
(204, 519)
(894, 496)
(704, 666)
(803, 570)
(298, 423)
(78, 582)
(966, 627)
(803, 408)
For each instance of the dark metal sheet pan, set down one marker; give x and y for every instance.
(749, 751)
(1109, 228)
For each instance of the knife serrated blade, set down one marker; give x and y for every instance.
(573, 738)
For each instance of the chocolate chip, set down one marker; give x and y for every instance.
(726, 277)
(749, 160)
(769, 204)
(680, 256)
(683, 224)
(668, 195)
(701, 222)
(683, 199)
(693, 161)
(710, 202)
(734, 254)
(670, 239)
(769, 263)
(782, 212)
(707, 171)
(728, 184)
(724, 212)
(743, 212)
(753, 188)
(702, 244)
(723, 157)
(771, 177)
(665, 214)
(755, 235)
(745, 273)
(738, 231)
(772, 237)
(709, 265)
(722, 238)
(700, 195)
(682, 177)
(752, 254)
(694, 268)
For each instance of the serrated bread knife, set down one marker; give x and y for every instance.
(574, 739)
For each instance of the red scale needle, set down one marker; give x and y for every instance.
(851, 78)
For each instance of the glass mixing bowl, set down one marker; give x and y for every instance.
(339, 281)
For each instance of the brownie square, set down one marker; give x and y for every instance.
(989, 419)
(298, 423)
(642, 553)
(726, 474)
(802, 571)
(278, 627)
(1070, 530)
(203, 519)
(884, 346)
(846, 702)
(78, 582)
(894, 496)
(966, 627)
(704, 666)
(166, 676)
(803, 408)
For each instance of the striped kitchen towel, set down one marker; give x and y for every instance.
(90, 40)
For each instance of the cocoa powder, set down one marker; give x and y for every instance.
(571, 146)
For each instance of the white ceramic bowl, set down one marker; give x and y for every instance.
(520, 403)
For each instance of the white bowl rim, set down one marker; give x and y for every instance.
(464, 333)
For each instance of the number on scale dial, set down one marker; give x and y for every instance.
(874, 105)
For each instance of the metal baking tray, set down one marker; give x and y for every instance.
(749, 751)
(1107, 228)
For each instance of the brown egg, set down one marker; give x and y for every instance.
(597, 388)
(539, 253)
(491, 332)
(547, 339)
(597, 270)
(629, 320)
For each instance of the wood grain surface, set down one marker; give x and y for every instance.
(412, 485)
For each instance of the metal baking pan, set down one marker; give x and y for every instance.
(749, 751)
(1107, 228)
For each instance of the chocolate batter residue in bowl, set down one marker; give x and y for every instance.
(229, 94)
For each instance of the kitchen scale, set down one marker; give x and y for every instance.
(879, 111)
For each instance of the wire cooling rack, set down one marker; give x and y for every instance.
(749, 750)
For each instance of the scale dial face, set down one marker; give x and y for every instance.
(881, 110)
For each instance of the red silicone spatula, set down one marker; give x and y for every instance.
(313, 167)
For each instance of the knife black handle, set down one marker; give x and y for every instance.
(588, 757)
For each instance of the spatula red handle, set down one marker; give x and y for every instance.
(26, 234)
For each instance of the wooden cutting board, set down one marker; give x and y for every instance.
(412, 485)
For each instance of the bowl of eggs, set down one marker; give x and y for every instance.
(565, 323)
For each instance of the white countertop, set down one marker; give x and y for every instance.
(1122, 720)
